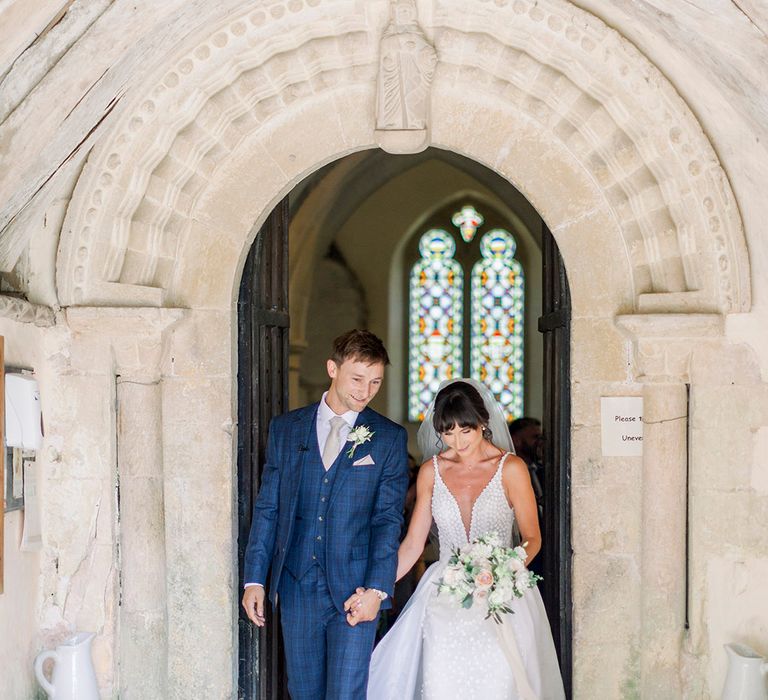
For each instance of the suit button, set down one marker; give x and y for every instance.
(322, 499)
(314, 556)
(325, 480)
(320, 518)
(319, 537)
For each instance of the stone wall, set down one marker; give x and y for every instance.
(192, 148)
(136, 481)
(25, 346)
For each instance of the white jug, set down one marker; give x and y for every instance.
(746, 674)
(73, 676)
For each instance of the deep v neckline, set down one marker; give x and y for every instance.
(468, 532)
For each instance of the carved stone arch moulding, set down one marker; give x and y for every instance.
(588, 90)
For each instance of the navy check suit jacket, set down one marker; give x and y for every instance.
(365, 511)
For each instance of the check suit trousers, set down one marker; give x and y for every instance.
(313, 628)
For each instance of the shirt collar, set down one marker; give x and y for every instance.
(325, 412)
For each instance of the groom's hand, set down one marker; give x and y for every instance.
(362, 606)
(253, 604)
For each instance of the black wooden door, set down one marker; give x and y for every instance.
(262, 393)
(555, 324)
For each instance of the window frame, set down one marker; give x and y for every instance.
(467, 254)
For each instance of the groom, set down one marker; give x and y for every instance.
(326, 521)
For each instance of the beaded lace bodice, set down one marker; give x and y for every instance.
(490, 512)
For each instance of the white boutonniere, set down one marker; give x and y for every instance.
(358, 436)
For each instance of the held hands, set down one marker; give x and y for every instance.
(253, 604)
(362, 606)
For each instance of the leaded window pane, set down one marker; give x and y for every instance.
(436, 320)
(497, 292)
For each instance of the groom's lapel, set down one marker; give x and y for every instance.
(344, 466)
(302, 440)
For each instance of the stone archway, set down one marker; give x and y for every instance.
(544, 94)
(572, 94)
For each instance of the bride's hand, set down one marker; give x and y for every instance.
(362, 606)
(354, 602)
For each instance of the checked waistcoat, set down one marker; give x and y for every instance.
(308, 543)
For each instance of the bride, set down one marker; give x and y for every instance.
(472, 485)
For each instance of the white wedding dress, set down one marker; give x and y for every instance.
(438, 651)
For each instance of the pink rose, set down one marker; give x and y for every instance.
(484, 580)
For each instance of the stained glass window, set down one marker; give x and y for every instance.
(436, 320)
(475, 331)
(496, 355)
(468, 219)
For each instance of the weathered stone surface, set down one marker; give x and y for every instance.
(736, 611)
(664, 524)
(716, 406)
(722, 459)
(608, 519)
(608, 670)
(759, 471)
(200, 346)
(736, 365)
(189, 451)
(599, 352)
(598, 264)
(606, 600)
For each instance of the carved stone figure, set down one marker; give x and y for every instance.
(406, 68)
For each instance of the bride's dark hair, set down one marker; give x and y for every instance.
(459, 404)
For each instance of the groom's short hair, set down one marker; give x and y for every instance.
(362, 346)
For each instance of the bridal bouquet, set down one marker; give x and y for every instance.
(488, 572)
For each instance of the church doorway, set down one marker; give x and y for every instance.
(263, 342)
(361, 231)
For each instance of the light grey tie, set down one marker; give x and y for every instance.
(332, 446)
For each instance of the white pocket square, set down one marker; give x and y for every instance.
(363, 461)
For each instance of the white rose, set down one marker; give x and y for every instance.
(496, 597)
(521, 552)
(523, 580)
(515, 565)
(481, 551)
(492, 539)
(452, 575)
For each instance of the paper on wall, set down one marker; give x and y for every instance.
(31, 536)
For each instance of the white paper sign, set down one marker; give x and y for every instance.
(31, 535)
(622, 423)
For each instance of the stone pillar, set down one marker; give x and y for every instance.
(662, 345)
(143, 638)
(200, 492)
(125, 347)
(138, 348)
(663, 552)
